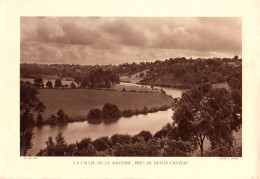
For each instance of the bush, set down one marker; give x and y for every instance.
(51, 120)
(146, 135)
(121, 139)
(167, 131)
(61, 116)
(127, 113)
(150, 148)
(144, 110)
(178, 148)
(57, 148)
(88, 151)
(94, 114)
(84, 143)
(102, 143)
(110, 111)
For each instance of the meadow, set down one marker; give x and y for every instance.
(78, 102)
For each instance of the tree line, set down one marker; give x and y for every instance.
(185, 73)
(172, 72)
(94, 79)
(202, 112)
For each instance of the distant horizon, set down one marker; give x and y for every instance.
(117, 40)
(128, 62)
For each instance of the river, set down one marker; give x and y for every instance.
(76, 131)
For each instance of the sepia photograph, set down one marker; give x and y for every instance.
(131, 86)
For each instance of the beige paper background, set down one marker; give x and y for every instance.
(14, 166)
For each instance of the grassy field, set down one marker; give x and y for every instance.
(78, 102)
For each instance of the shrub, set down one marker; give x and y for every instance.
(167, 131)
(94, 114)
(84, 143)
(102, 143)
(144, 110)
(146, 135)
(127, 113)
(39, 121)
(178, 148)
(121, 139)
(137, 138)
(150, 148)
(61, 116)
(88, 151)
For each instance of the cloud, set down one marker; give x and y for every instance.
(114, 40)
(127, 34)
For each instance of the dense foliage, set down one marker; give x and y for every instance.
(29, 104)
(184, 73)
(142, 144)
(204, 112)
(177, 72)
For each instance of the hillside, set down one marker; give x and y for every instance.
(177, 72)
(182, 73)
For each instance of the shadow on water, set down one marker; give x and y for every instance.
(61, 126)
(94, 121)
(106, 121)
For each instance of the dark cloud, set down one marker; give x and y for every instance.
(127, 34)
(107, 40)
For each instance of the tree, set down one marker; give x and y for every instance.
(120, 139)
(61, 145)
(146, 135)
(94, 114)
(141, 74)
(72, 85)
(177, 148)
(57, 148)
(39, 121)
(150, 148)
(110, 111)
(102, 143)
(58, 83)
(235, 57)
(49, 84)
(85, 148)
(61, 115)
(205, 112)
(29, 104)
(38, 82)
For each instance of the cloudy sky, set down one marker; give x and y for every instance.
(107, 40)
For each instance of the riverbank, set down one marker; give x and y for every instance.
(53, 120)
(76, 131)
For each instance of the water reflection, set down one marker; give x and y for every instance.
(94, 129)
(106, 121)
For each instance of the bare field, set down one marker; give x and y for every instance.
(78, 102)
(134, 78)
(134, 88)
(221, 85)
